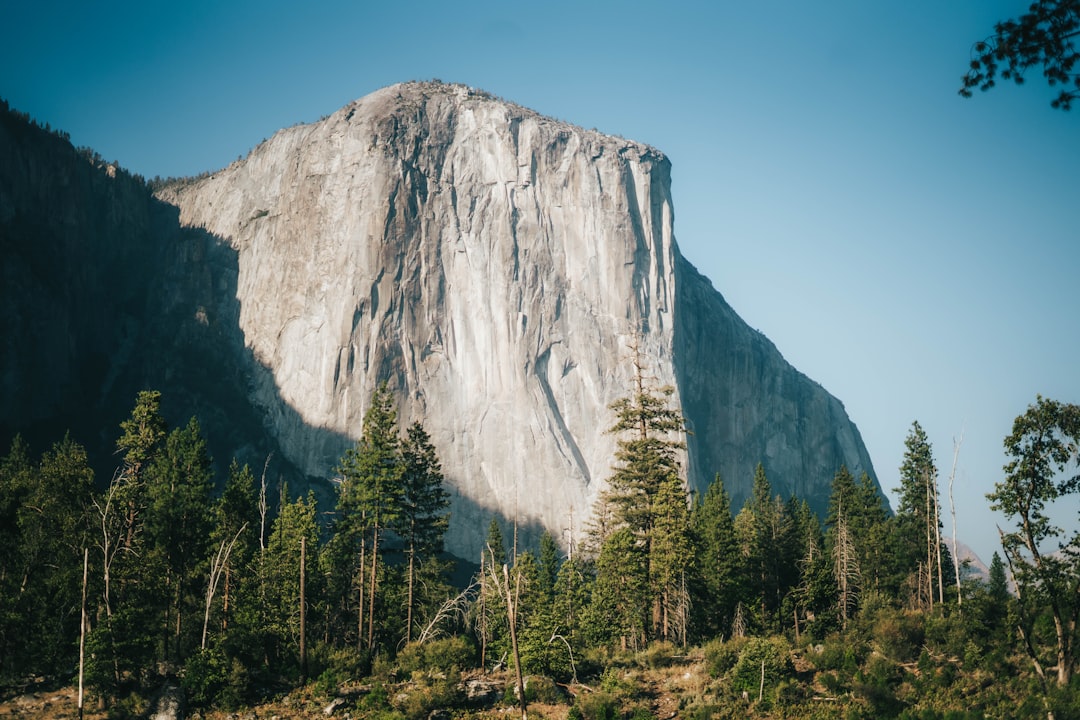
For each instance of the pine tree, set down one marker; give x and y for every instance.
(919, 514)
(573, 590)
(179, 483)
(717, 574)
(51, 529)
(767, 539)
(549, 563)
(647, 496)
(621, 594)
(813, 596)
(368, 500)
(125, 642)
(236, 522)
(422, 518)
(670, 555)
(281, 581)
(491, 617)
(16, 482)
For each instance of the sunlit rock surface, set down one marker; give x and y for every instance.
(496, 268)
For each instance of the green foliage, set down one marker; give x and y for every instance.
(160, 527)
(211, 679)
(420, 519)
(595, 706)
(1043, 467)
(721, 655)
(47, 525)
(649, 500)
(1041, 37)
(839, 653)
(768, 658)
(899, 635)
(620, 594)
(451, 654)
(716, 578)
(425, 694)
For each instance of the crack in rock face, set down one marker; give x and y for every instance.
(496, 267)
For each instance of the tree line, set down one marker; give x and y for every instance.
(241, 595)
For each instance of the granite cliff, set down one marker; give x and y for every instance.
(495, 267)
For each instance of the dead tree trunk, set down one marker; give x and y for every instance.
(219, 563)
(952, 510)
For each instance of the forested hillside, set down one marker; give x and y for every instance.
(242, 598)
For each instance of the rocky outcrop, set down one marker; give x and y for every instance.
(495, 267)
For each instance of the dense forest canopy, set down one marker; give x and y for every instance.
(241, 596)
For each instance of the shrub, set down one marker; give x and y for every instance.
(721, 656)
(837, 653)
(210, 679)
(899, 635)
(763, 663)
(657, 655)
(542, 689)
(417, 702)
(442, 655)
(595, 706)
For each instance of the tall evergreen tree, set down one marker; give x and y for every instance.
(52, 530)
(236, 525)
(919, 517)
(621, 598)
(422, 518)
(647, 496)
(368, 500)
(769, 550)
(669, 561)
(179, 483)
(548, 559)
(16, 482)
(125, 642)
(717, 575)
(281, 581)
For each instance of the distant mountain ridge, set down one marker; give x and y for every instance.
(492, 265)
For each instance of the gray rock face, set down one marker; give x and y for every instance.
(495, 267)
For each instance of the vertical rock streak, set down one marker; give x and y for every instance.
(494, 266)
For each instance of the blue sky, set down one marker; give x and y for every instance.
(914, 252)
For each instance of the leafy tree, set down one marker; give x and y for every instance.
(422, 516)
(1043, 467)
(1044, 37)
